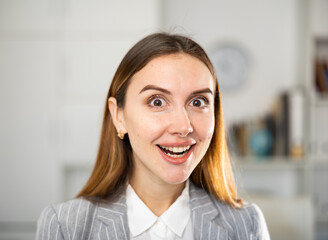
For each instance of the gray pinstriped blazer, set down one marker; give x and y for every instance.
(212, 219)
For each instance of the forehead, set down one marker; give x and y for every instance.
(174, 71)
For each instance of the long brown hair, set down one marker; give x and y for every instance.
(114, 159)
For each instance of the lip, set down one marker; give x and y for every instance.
(180, 144)
(176, 161)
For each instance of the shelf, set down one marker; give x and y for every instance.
(320, 162)
(271, 163)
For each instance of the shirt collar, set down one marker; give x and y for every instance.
(141, 218)
(137, 209)
(177, 216)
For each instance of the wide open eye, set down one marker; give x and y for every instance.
(199, 102)
(157, 102)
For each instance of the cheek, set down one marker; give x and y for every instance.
(145, 126)
(204, 126)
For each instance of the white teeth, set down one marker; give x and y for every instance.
(176, 149)
(175, 156)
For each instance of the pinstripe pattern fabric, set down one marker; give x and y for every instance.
(80, 219)
(213, 219)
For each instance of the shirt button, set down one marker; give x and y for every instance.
(161, 225)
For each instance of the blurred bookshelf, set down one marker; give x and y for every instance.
(287, 147)
(319, 130)
(277, 136)
(319, 95)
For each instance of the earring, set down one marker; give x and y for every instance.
(121, 134)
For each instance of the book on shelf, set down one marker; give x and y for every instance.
(296, 123)
(321, 76)
(281, 116)
(278, 133)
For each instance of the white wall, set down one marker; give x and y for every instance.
(319, 18)
(29, 78)
(57, 59)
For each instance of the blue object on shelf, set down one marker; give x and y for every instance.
(261, 142)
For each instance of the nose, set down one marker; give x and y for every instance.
(180, 123)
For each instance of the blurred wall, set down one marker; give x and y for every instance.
(56, 62)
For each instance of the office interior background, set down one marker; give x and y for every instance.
(57, 59)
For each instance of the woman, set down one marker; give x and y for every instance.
(163, 169)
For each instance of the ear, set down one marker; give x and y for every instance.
(117, 115)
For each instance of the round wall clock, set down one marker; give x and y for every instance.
(231, 66)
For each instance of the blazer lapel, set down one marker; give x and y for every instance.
(205, 216)
(114, 218)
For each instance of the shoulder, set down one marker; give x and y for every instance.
(65, 219)
(75, 208)
(245, 221)
(79, 209)
(200, 196)
(248, 210)
(248, 218)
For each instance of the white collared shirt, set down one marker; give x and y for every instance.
(174, 223)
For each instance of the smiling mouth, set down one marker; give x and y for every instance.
(175, 152)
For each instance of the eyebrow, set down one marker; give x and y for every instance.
(153, 87)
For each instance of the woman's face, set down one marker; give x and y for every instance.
(169, 117)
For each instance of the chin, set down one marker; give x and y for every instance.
(176, 178)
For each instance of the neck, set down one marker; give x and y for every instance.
(157, 196)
